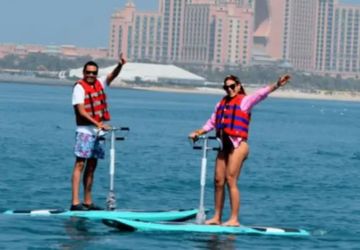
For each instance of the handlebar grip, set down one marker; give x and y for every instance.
(125, 129)
(197, 147)
(101, 138)
(212, 137)
(120, 138)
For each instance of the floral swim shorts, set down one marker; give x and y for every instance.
(87, 146)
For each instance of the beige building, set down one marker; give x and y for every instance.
(318, 36)
(172, 12)
(215, 36)
(204, 33)
(299, 33)
(137, 34)
(324, 25)
(344, 55)
(285, 30)
(68, 51)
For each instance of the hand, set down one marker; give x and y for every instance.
(283, 80)
(122, 60)
(106, 127)
(103, 126)
(193, 135)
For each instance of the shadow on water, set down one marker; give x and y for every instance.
(82, 233)
(215, 242)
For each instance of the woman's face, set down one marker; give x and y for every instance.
(231, 87)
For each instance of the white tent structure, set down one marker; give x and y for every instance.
(152, 73)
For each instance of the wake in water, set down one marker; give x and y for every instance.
(319, 232)
(355, 156)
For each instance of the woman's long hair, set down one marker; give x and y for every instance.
(237, 81)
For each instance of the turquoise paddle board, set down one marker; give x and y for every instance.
(132, 225)
(171, 215)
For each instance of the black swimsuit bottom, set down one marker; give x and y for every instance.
(227, 143)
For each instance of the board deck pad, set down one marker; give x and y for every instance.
(134, 225)
(171, 215)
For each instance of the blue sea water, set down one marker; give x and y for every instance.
(302, 172)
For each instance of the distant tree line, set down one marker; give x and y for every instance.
(46, 62)
(266, 74)
(248, 75)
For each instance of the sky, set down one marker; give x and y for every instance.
(351, 1)
(84, 23)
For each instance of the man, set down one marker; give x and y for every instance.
(89, 102)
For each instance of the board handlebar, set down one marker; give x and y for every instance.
(102, 138)
(205, 138)
(102, 133)
(209, 148)
(119, 128)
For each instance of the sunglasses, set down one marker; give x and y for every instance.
(231, 86)
(91, 72)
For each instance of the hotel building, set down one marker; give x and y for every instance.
(319, 36)
(217, 35)
(137, 34)
(205, 33)
(285, 30)
(337, 39)
(316, 36)
(344, 55)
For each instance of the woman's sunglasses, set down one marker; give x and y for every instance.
(231, 86)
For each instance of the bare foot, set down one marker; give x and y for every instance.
(213, 221)
(231, 223)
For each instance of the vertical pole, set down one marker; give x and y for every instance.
(201, 216)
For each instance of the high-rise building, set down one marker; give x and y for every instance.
(172, 12)
(217, 35)
(344, 56)
(312, 35)
(299, 33)
(325, 20)
(233, 36)
(198, 36)
(206, 33)
(337, 39)
(319, 36)
(269, 28)
(285, 30)
(121, 30)
(138, 34)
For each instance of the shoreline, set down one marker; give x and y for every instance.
(281, 93)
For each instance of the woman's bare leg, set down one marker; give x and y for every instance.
(219, 184)
(233, 168)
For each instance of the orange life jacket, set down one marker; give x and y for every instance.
(231, 119)
(94, 103)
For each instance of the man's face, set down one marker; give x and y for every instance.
(90, 73)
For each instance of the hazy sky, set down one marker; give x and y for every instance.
(78, 22)
(351, 1)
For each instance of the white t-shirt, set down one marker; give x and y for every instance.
(78, 97)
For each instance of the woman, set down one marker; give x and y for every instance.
(231, 120)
